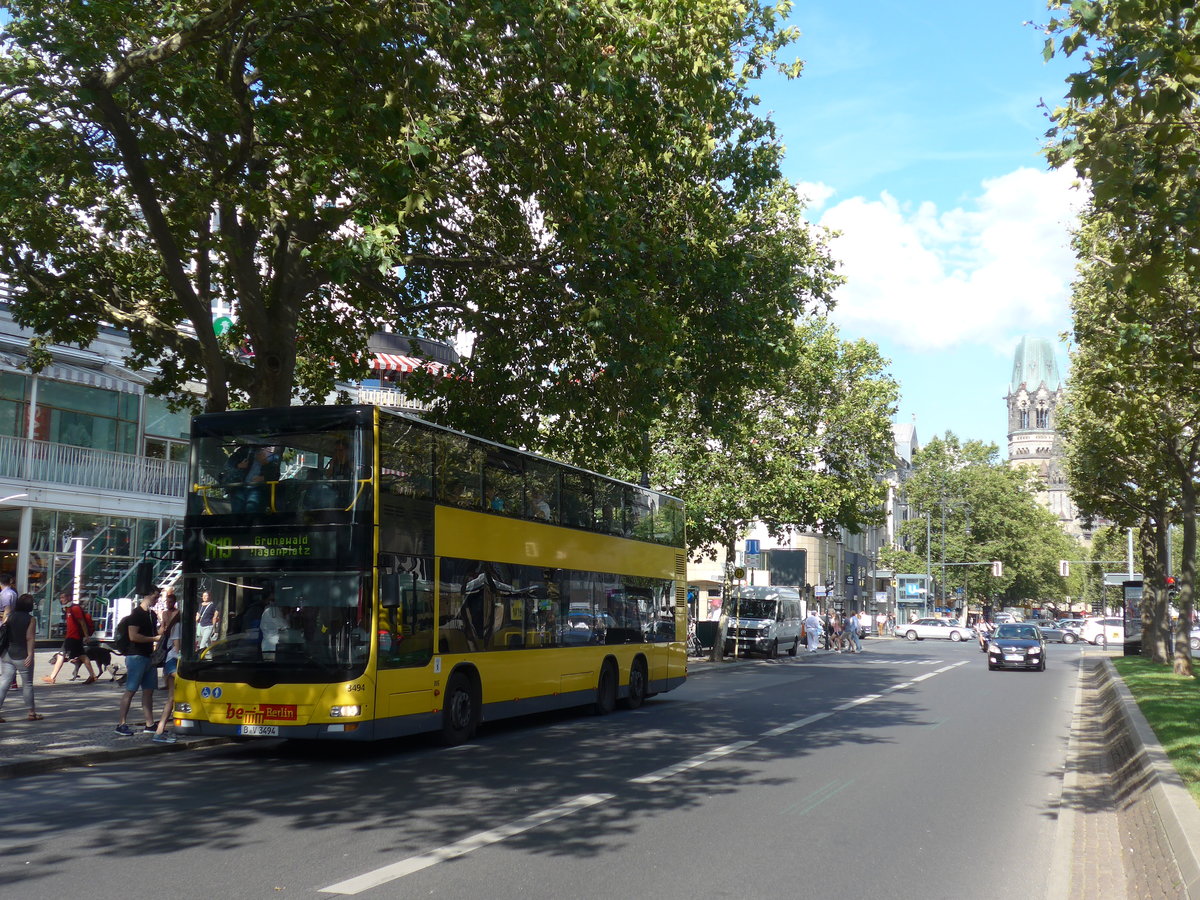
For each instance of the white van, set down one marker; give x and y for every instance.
(763, 619)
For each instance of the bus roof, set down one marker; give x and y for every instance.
(330, 418)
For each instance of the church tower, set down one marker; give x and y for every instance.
(1033, 440)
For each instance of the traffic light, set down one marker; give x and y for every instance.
(1172, 587)
(997, 568)
(1064, 567)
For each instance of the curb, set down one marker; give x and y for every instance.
(1058, 881)
(49, 764)
(1178, 812)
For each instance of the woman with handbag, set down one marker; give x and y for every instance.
(18, 655)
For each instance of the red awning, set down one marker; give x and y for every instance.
(390, 362)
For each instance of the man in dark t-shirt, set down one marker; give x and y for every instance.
(139, 668)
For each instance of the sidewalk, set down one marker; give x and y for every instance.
(78, 726)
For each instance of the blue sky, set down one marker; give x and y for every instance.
(915, 129)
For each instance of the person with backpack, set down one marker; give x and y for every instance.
(136, 640)
(79, 627)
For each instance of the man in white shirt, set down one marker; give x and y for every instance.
(812, 630)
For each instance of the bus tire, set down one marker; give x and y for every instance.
(606, 690)
(638, 682)
(460, 711)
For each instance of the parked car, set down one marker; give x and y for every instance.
(1017, 645)
(947, 629)
(1103, 632)
(1071, 629)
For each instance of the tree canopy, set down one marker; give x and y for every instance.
(983, 509)
(1129, 126)
(584, 188)
(811, 452)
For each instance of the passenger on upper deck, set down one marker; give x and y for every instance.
(264, 469)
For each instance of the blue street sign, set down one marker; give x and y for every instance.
(752, 547)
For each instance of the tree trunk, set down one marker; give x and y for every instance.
(1155, 620)
(1187, 581)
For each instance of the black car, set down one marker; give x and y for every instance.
(1018, 645)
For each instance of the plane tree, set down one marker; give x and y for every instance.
(1128, 125)
(982, 509)
(586, 189)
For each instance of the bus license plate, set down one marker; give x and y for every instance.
(258, 730)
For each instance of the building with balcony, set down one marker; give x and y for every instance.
(93, 469)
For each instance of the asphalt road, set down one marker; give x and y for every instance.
(907, 772)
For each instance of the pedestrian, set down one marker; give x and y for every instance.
(170, 615)
(171, 633)
(208, 621)
(79, 627)
(827, 631)
(812, 630)
(18, 658)
(839, 629)
(8, 595)
(881, 625)
(852, 629)
(140, 672)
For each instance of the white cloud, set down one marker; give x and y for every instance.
(815, 194)
(998, 267)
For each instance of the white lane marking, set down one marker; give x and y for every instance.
(799, 723)
(848, 704)
(715, 753)
(484, 838)
(459, 848)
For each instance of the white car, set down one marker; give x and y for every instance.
(1103, 632)
(947, 629)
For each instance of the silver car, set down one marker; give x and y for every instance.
(946, 629)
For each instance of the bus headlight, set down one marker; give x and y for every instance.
(344, 712)
(183, 707)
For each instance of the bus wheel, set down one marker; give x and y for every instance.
(460, 712)
(606, 690)
(637, 685)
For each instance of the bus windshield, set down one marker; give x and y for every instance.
(275, 472)
(293, 626)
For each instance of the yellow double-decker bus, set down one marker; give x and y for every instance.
(355, 573)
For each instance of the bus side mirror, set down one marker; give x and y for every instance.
(389, 590)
